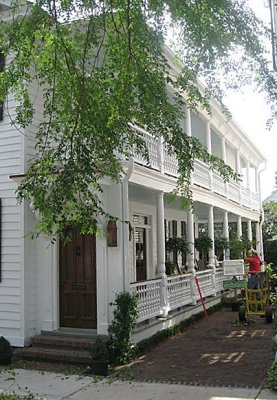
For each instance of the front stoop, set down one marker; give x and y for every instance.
(57, 348)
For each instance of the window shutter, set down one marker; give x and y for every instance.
(2, 66)
(174, 228)
(183, 229)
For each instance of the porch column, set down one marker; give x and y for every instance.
(161, 252)
(160, 234)
(238, 171)
(258, 239)
(257, 180)
(208, 137)
(211, 233)
(196, 226)
(238, 166)
(188, 122)
(190, 235)
(249, 230)
(239, 227)
(161, 155)
(248, 174)
(261, 242)
(209, 149)
(223, 148)
(226, 255)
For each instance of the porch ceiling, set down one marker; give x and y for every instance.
(147, 196)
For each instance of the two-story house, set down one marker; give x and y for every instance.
(51, 286)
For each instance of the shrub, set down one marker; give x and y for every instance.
(99, 351)
(124, 321)
(5, 351)
(272, 377)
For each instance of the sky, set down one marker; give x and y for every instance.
(250, 111)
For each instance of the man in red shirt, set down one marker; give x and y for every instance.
(254, 268)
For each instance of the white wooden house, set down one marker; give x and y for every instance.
(48, 287)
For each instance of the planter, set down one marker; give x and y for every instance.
(5, 360)
(99, 367)
(236, 305)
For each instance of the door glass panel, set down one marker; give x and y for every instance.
(140, 253)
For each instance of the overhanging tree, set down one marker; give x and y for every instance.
(102, 66)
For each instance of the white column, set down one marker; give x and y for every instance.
(161, 251)
(258, 239)
(261, 242)
(223, 149)
(238, 166)
(161, 155)
(196, 226)
(208, 137)
(209, 149)
(226, 234)
(249, 230)
(239, 227)
(211, 233)
(188, 122)
(238, 171)
(256, 180)
(160, 234)
(248, 174)
(190, 236)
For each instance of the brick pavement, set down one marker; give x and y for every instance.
(213, 353)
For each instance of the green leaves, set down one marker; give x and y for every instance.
(100, 66)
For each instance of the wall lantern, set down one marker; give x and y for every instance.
(112, 233)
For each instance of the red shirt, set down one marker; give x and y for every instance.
(254, 264)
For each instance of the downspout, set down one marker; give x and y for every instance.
(262, 213)
(125, 220)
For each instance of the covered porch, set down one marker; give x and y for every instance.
(154, 219)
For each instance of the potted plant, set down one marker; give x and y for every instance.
(99, 358)
(203, 244)
(221, 245)
(5, 351)
(178, 245)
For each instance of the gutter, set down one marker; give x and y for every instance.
(262, 213)
(125, 220)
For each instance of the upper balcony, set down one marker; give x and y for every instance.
(245, 193)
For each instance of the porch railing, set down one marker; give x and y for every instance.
(162, 160)
(149, 295)
(180, 290)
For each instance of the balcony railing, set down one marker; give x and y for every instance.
(162, 160)
(157, 297)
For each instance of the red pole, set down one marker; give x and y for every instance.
(202, 301)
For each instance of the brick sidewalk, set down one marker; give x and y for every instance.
(214, 352)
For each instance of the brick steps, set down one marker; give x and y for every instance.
(57, 348)
(62, 341)
(67, 356)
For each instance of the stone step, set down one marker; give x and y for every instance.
(67, 356)
(68, 342)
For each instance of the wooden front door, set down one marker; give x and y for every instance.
(140, 249)
(78, 281)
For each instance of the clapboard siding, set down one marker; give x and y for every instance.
(11, 290)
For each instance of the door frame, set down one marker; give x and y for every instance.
(148, 235)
